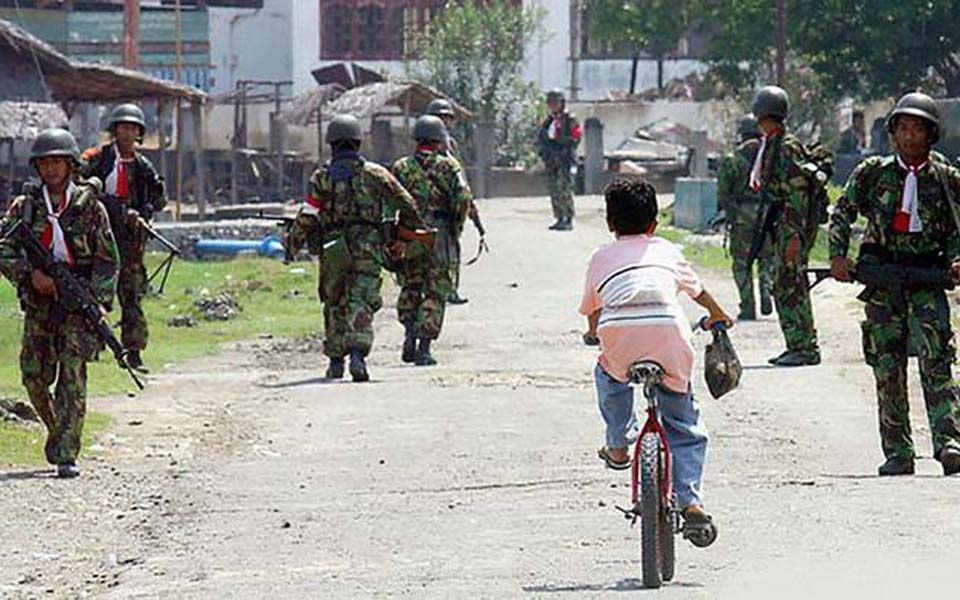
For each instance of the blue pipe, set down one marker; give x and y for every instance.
(269, 246)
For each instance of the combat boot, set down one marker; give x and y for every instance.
(566, 224)
(409, 352)
(797, 358)
(68, 470)
(950, 460)
(766, 304)
(556, 225)
(456, 298)
(135, 362)
(336, 367)
(424, 358)
(358, 367)
(896, 465)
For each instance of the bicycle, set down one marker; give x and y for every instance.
(652, 496)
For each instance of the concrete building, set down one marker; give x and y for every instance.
(287, 39)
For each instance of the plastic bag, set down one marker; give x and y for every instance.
(722, 368)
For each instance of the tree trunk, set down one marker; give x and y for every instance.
(633, 73)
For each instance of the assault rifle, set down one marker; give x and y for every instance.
(769, 213)
(172, 249)
(285, 223)
(893, 277)
(73, 294)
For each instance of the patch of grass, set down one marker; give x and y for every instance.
(276, 299)
(24, 445)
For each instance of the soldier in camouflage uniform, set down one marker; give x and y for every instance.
(557, 140)
(349, 199)
(742, 208)
(909, 201)
(439, 187)
(778, 174)
(132, 190)
(66, 216)
(443, 109)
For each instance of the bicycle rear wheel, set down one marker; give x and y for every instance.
(668, 548)
(650, 513)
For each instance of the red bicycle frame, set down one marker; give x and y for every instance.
(666, 483)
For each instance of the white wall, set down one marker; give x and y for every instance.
(548, 63)
(252, 44)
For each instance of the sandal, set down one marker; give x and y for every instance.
(604, 455)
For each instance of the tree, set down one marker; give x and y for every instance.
(879, 48)
(862, 48)
(474, 52)
(653, 27)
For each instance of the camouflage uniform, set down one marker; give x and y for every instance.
(443, 198)
(742, 207)
(786, 185)
(58, 344)
(146, 196)
(349, 198)
(557, 153)
(921, 314)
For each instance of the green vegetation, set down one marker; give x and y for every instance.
(275, 299)
(24, 445)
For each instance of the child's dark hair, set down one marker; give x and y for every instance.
(631, 206)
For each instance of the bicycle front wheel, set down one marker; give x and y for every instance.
(650, 513)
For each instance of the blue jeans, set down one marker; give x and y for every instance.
(681, 419)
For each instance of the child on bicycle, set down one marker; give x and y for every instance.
(631, 303)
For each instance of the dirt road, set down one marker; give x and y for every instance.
(247, 476)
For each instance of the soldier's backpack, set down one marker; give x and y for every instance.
(817, 167)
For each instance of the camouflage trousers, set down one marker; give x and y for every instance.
(425, 286)
(791, 293)
(57, 351)
(131, 289)
(741, 238)
(924, 317)
(348, 318)
(560, 188)
(454, 267)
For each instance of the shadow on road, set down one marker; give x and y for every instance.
(631, 584)
(20, 475)
(301, 383)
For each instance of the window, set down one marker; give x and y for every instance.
(375, 29)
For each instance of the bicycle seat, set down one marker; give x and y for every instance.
(646, 371)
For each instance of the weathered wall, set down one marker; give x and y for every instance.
(622, 119)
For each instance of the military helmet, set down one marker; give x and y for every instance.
(54, 142)
(916, 104)
(344, 127)
(555, 94)
(748, 126)
(440, 107)
(771, 101)
(127, 113)
(430, 128)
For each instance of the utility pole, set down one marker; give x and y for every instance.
(576, 24)
(178, 115)
(131, 34)
(781, 42)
